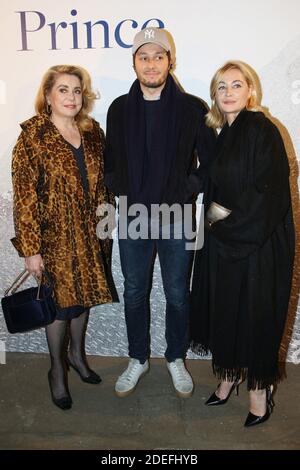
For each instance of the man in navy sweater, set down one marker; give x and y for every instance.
(157, 156)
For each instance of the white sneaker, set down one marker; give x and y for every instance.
(127, 382)
(181, 378)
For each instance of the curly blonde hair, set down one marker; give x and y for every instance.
(215, 118)
(83, 119)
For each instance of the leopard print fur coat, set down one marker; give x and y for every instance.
(54, 216)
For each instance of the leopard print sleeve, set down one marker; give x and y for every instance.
(103, 196)
(109, 196)
(25, 200)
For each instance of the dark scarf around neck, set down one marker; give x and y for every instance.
(168, 122)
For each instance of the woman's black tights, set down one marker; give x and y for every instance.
(76, 354)
(55, 333)
(56, 338)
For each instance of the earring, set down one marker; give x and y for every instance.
(48, 109)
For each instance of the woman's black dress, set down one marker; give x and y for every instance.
(242, 276)
(68, 313)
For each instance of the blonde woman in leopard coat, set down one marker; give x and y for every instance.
(57, 172)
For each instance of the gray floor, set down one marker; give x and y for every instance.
(153, 417)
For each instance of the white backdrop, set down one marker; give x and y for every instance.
(35, 34)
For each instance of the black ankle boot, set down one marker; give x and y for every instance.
(214, 400)
(253, 420)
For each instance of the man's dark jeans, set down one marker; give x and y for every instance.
(175, 263)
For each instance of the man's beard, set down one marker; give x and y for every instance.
(154, 84)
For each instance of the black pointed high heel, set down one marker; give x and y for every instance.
(214, 400)
(92, 378)
(64, 403)
(253, 420)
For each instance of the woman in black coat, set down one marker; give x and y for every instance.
(242, 276)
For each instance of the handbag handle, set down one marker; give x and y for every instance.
(20, 279)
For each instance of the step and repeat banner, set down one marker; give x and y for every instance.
(98, 34)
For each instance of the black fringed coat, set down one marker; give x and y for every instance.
(242, 276)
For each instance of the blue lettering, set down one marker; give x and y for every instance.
(24, 29)
(160, 23)
(54, 29)
(75, 31)
(89, 27)
(117, 33)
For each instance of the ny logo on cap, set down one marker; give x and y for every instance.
(149, 33)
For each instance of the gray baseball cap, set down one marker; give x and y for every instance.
(153, 35)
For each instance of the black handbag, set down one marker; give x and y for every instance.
(29, 309)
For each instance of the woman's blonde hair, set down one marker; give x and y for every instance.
(83, 119)
(215, 118)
